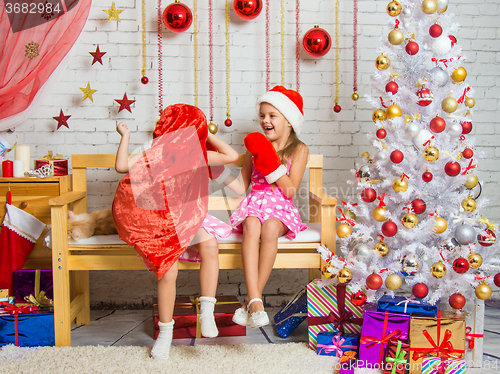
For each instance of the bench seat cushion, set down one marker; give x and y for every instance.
(311, 235)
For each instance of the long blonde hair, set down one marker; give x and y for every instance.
(292, 143)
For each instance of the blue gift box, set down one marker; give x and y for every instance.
(331, 343)
(408, 305)
(34, 329)
(292, 314)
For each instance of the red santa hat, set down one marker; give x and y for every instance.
(288, 102)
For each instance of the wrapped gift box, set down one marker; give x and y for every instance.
(347, 363)
(336, 344)
(396, 357)
(31, 283)
(329, 308)
(186, 317)
(379, 328)
(57, 164)
(431, 365)
(292, 314)
(34, 329)
(410, 305)
(429, 337)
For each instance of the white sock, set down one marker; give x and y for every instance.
(161, 348)
(207, 320)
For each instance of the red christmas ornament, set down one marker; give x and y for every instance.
(418, 206)
(381, 133)
(427, 176)
(397, 156)
(496, 279)
(453, 40)
(437, 125)
(452, 169)
(420, 290)
(375, 281)
(358, 298)
(228, 122)
(391, 87)
(412, 48)
(124, 103)
(247, 9)
(62, 120)
(425, 97)
(461, 265)
(368, 195)
(466, 127)
(337, 108)
(144, 80)
(457, 301)
(97, 55)
(435, 31)
(467, 153)
(317, 42)
(389, 228)
(177, 17)
(486, 238)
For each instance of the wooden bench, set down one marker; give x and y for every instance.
(71, 262)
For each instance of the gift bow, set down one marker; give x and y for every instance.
(372, 341)
(38, 297)
(470, 337)
(444, 349)
(492, 226)
(348, 356)
(336, 346)
(16, 310)
(344, 218)
(407, 301)
(344, 317)
(408, 118)
(469, 167)
(49, 157)
(399, 358)
(458, 219)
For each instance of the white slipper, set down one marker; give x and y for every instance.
(240, 317)
(259, 318)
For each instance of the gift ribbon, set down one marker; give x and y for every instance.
(295, 297)
(470, 337)
(428, 142)
(344, 218)
(336, 346)
(461, 99)
(38, 297)
(381, 199)
(347, 357)
(469, 167)
(407, 301)
(399, 358)
(16, 310)
(492, 226)
(49, 157)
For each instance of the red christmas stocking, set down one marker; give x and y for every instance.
(19, 233)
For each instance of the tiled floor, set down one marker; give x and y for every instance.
(135, 327)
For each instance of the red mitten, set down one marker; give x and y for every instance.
(217, 173)
(265, 158)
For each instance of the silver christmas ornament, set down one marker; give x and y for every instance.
(442, 4)
(362, 252)
(465, 234)
(439, 76)
(450, 244)
(422, 138)
(406, 12)
(455, 130)
(412, 129)
(381, 158)
(410, 265)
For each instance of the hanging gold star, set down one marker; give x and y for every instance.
(87, 92)
(113, 12)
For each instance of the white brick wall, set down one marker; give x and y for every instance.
(340, 137)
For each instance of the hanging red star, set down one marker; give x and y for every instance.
(62, 120)
(97, 55)
(124, 103)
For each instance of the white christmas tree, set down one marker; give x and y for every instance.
(417, 219)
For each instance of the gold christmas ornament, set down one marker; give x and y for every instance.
(470, 102)
(393, 111)
(355, 96)
(325, 271)
(382, 62)
(440, 225)
(459, 75)
(349, 214)
(441, 11)
(344, 230)
(475, 260)
(400, 184)
(431, 154)
(483, 291)
(469, 204)
(379, 214)
(449, 105)
(344, 275)
(410, 220)
(429, 6)
(471, 182)
(212, 127)
(379, 115)
(393, 282)
(381, 248)
(394, 9)
(396, 37)
(438, 270)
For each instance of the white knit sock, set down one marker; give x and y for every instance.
(161, 348)
(207, 320)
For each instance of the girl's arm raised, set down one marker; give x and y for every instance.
(290, 183)
(225, 153)
(121, 163)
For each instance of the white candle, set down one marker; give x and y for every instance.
(18, 168)
(22, 152)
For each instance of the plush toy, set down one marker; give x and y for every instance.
(265, 158)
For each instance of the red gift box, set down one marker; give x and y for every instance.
(396, 357)
(186, 317)
(58, 165)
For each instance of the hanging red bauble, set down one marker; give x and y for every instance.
(177, 17)
(381, 133)
(467, 153)
(466, 127)
(368, 195)
(425, 97)
(418, 206)
(496, 279)
(228, 122)
(461, 265)
(412, 48)
(317, 42)
(389, 228)
(420, 290)
(397, 156)
(453, 40)
(375, 281)
(435, 31)
(427, 176)
(337, 108)
(457, 301)
(247, 9)
(486, 238)
(452, 168)
(437, 125)
(391, 87)
(144, 80)
(358, 298)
